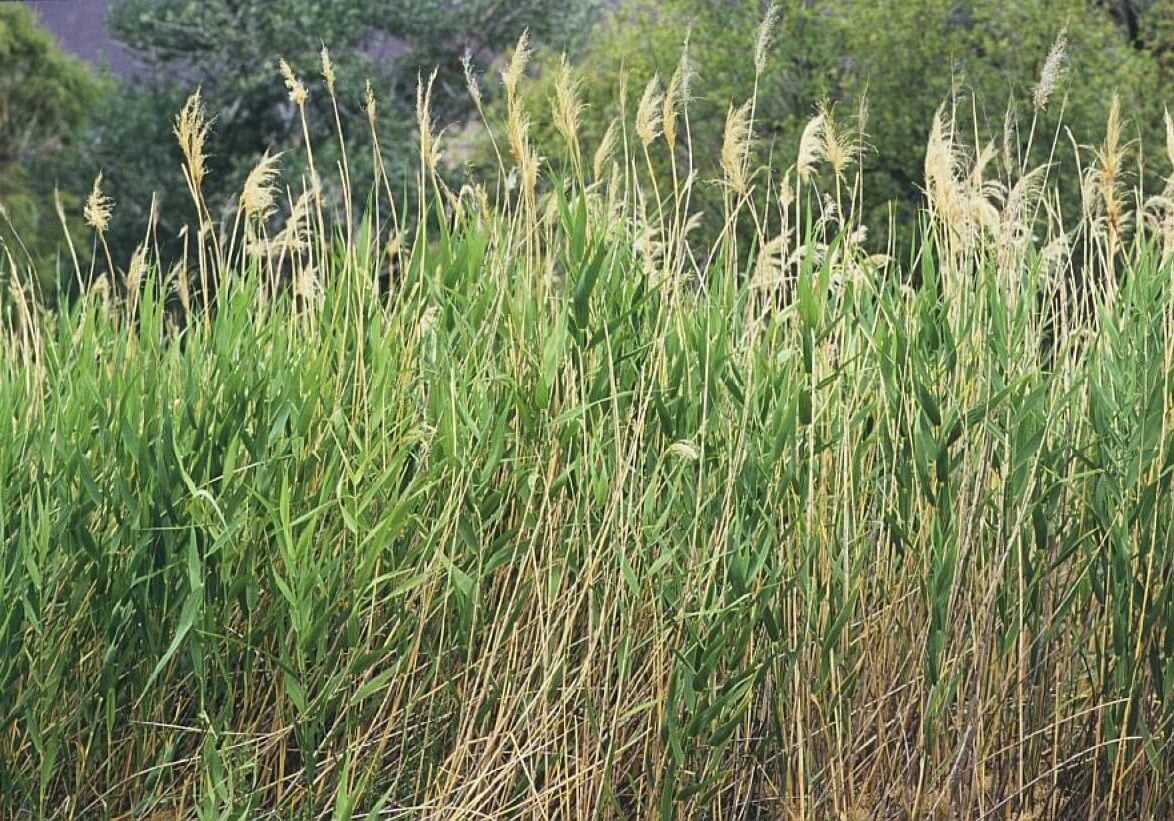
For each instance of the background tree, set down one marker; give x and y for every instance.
(46, 101)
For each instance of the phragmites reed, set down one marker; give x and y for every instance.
(810, 147)
(1169, 136)
(327, 69)
(568, 108)
(97, 211)
(259, 192)
(676, 97)
(1052, 71)
(429, 141)
(605, 149)
(1108, 173)
(648, 112)
(529, 163)
(369, 106)
(518, 121)
(98, 207)
(527, 160)
(961, 200)
(179, 279)
(471, 82)
(837, 146)
(762, 41)
(297, 91)
(1009, 159)
(516, 67)
(295, 236)
(941, 165)
(191, 131)
(134, 278)
(736, 147)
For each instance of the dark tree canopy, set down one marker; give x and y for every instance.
(46, 101)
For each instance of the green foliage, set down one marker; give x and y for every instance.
(44, 94)
(46, 101)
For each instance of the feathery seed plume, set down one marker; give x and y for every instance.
(810, 147)
(765, 31)
(191, 130)
(941, 183)
(327, 69)
(1009, 140)
(1169, 137)
(567, 106)
(297, 91)
(517, 65)
(736, 146)
(786, 192)
(836, 147)
(471, 82)
(1052, 71)
(676, 96)
(429, 142)
(603, 152)
(134, 276)
(369, 104)
(648, 113)
(1109, 168)
(259, 193)
(98, 207)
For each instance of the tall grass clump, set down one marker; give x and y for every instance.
(528, 503)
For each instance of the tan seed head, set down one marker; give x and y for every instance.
(98, 207)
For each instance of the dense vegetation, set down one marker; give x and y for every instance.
(45, 97)
(530, 503)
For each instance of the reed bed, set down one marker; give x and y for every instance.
(535, 502)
